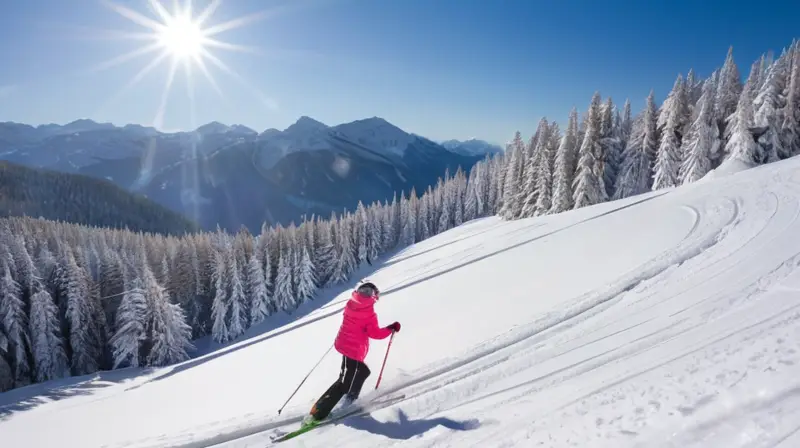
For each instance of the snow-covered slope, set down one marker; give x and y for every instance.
(670, 319)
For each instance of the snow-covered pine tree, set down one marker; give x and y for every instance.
(50, 360)
(78, 315)
(408, 219)
(769, 104)
(485, 190)
(238, 303)
(529, 181)
(131, 326)
(694, 89)
(459, 190)
(606, 171)
(703, 137)
(587, 186)
(471, 195)
(423, 230)
(389, 232)
(374, 236)
(729, 88)
(512, 206)
(307, 283)
(668, 159)
(564, 166)
(220, 304)
(168, 330)
(635, 173)
(445, 216)
(544, 178)
(790, 129)
(650, 134)
(740, 145)
(257, 292)
(284, 296)
(14, 324)
(360, 233)
(326, 255)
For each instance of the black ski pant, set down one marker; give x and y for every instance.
(351, 378)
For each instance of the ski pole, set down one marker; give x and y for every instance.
(304, 379)
(380, 375)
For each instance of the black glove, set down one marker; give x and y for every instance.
(395, 327)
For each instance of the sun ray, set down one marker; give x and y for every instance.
(125, 57)
(239, 22)
(203, 68)
(161, 11)
(267, 101)
(201, 19)
(231, 47)
(134, 16)
(158, 121)
(135, 80)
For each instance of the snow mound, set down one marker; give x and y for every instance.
(667, 319)
(729, 167)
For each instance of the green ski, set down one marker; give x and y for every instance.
(356, 410)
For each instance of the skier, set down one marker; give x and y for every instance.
(359, 324)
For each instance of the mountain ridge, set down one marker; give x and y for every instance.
(232, 175)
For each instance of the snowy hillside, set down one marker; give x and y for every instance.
(670, 319)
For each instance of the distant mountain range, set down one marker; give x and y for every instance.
(233, 176)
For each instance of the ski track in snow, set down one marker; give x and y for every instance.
(670, 319)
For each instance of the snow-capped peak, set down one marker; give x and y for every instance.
(471, 147)
(305, 124)
(215, 127)
(376, 132)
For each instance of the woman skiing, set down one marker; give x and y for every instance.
(359, 324)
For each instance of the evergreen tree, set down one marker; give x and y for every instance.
(564, 169)
(529, 191)
(14, 324)
(284, 296)
(49, 358)
(306, 286)
(220, 305)
(168, 330)
(544, 178)
(360, 231)
(769, 104)
(512, 206)
(78, 315)
(635, 173)
(703, 138)
(790, 129)
(587, 186)
(238, 301)
(257, 292)
(729, 88)
(131, 326)
(668, 161)
(741, 145)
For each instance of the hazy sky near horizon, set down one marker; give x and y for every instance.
(443, 69)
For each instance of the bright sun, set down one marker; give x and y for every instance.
(182, 37)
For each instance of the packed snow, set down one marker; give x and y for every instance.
(670, 319)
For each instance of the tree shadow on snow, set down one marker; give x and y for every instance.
(28, 397)
(404, 429)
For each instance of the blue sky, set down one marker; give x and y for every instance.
(439, 68)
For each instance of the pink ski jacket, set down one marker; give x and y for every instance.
(359, 323)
